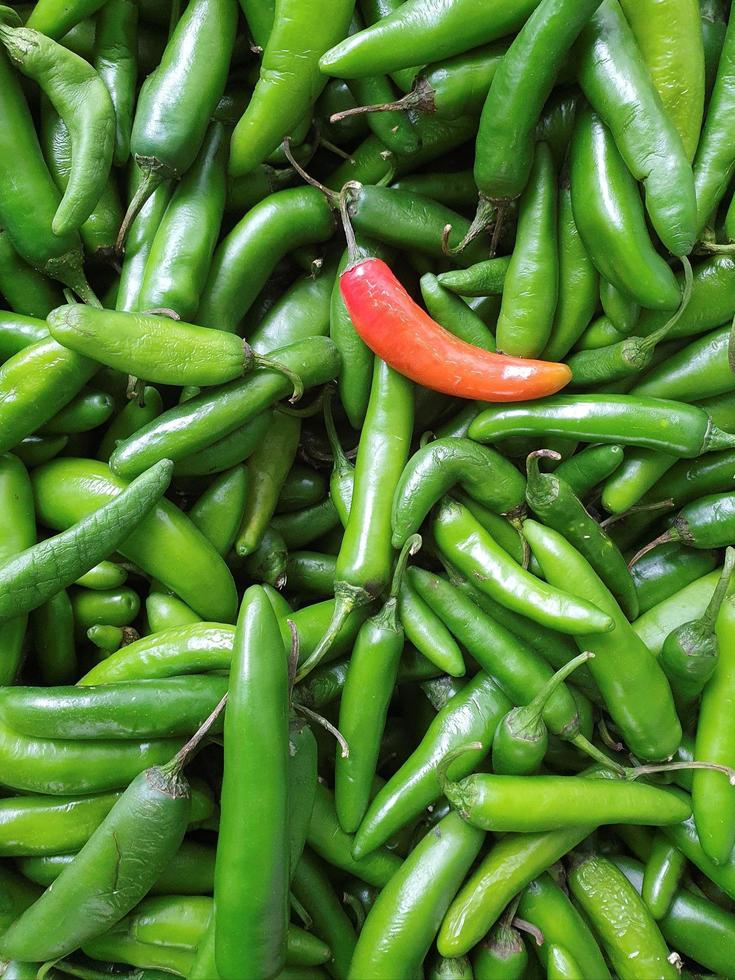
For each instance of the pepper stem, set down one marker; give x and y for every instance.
(532, 461)
(189, 748)
(343, 606)
(649, 342)
(420, 98)
(584, 745)
(671, 535)
(410, 548)
(447, 759)
(639, 509)
(331, 196)
(531, 713)
(523, 925)
(340, 461)
(487, 212)
(637, 771)
(153, 176)
(252, 360)
(713, 607)
(353, 254)
(321, 720)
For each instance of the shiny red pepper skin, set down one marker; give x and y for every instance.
(406, 337)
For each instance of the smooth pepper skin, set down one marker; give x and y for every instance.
(252, 869)
(609, 215)
(505, 137)
(402, 334)
(290, 80)
(618, 86)
(531, 284)
(18, 533)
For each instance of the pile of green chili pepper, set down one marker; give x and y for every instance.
(367, 489)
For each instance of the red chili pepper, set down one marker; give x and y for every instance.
(405, 336)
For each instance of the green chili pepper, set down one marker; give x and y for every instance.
(666, 569)
(52, 629)
(714, 809)
(165, 611)
(689, 654)
(268, 468)
(114, 607)
(283, 96)
(427, 632)
(457, 968)
(26, 291)
(609, 214)
(225, 452)
(302, 527)
(615, 80)
(177, 100)
(81, 99)
(455, 190)
(635, 689)
(664, 870)
(437, 467)
(555, 503)
(656, 423)
(277, 225)
(139, 241)
(714, 161)
(468, 547)
(510, 864)
(531, 804)
(689, 603)
(501, 953)
(99, 230)
(89, 410)
(548, 908)
(218, 511)
(29, 198)
(198, 423)
(590, 466)
(301, 312)
(629, 934)
(361, 572)
(303, 487)
(116, 62)
(313, 889)
(365, 699)
(472, 714)
(620, 309)
(18, 534)
(697, 371)
(482, 279)
(506, 135)
(177, 266)
(165, 544)
(693, 925)
(517, 669)
(522, 738)
(402, 924)
(454, 314)
(251, 874)
(56, 19)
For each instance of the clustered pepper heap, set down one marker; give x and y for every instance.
(367, 489)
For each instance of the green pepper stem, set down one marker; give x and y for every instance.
(639, 509)
(447, 759)
(420, 98)
(714, 247)
(338, 453)
(189, 748)
(344, 604)
(300, 911)
(635, 772)
(410, 548)
(522, 925)
(154, 174)
(321, 720)
(584, 745)
(670, 535)
(252, 360)
(487, 212)
(713, 607)
(353, 253)
(530, 714)
(648, 343)
(331, 196)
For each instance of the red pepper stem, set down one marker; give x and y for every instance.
(713, 607)
(649, 342)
